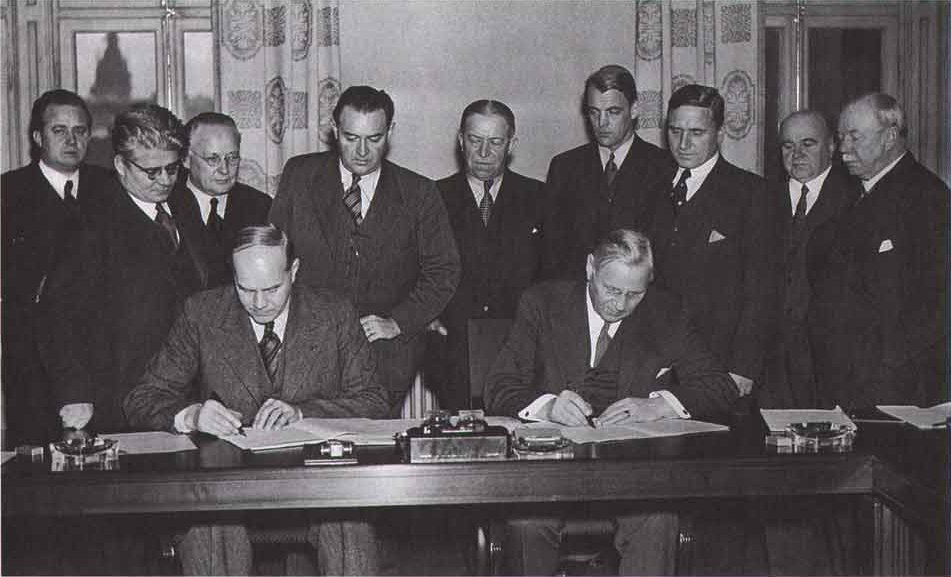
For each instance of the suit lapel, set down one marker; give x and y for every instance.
(387, 206)
(570, 324)
(326, 194)
(707, 201)
(300, 338)
(240, 349)
(635, 336)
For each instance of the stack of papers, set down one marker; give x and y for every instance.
(645, 430)
(151, 442)
(927, 418)
(779, 419)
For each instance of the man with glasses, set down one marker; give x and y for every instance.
(208, 200)
(109, 308)
(879, 325)
(42, 206)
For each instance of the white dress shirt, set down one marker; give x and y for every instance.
(868, 184)
(697, 176)
(478, 189)
(367, 185)
(58, 180)
(814, 186)
(204, 202)
(619, 155)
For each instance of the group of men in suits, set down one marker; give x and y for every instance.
(680, 283)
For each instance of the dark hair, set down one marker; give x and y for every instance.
(211, 119)
(266, 235)
(629, 246)
(613, 77)
(489, 107)
(57, 97)
(365, 99)
(149, 126)
(698, 95)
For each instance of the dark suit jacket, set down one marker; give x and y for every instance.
(789, 379)
(247, 206)
(328, 368)
(110, 306)
(547, 351)
(37, 227)
(879, 323)
(400, 263)
(580, 212)
(499, 261)
(726, 284)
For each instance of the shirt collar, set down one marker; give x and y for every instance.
(204, 200)
(697, 175)
(147, 207)
(280, 324)
(814, 186)
(478, 189)
(619, 155)
(595, 322)
(367, 184)
(58, 180)
(868, 184)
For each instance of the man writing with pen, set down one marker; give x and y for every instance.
(608, 351)
(264, 353)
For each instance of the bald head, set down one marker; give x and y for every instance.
(806, 144)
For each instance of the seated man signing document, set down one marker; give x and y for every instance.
(605, 352)
(262, 352)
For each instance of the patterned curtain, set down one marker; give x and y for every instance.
(707, 42)
(279, 70)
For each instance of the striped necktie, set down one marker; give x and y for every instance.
(351, 198)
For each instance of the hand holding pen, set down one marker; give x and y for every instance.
(569, 408)
(216, 419)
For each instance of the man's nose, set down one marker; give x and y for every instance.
(602, 120)
(258, 300)
(363, 148)
(685, 141)
(484, 149)
(70, 137)
(164, 178)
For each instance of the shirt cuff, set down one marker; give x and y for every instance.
(673, 402)
(531, 412)
(184, 417)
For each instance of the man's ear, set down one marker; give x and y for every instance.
(333, 129)
(37, 137)
(294, 266)
(721, 132)
(459, 137)
(513, 144)
(589, 267)
(119, 165)
(891, 137)
(635, 110)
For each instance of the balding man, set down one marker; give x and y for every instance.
(878, 322)
(814, 193)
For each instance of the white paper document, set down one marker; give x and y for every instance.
(151, 442)
(924, 418)
(6, 456)
(779, 419)
(262, 439)
(645, 430)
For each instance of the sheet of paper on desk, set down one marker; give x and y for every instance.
(151, 442)
(359, 430)
(6, 456)
(646, 430)
(923, 418)
(263, 440)
(779, 419)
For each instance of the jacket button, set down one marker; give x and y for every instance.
(485, 309)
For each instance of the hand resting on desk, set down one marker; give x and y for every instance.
(276, 414)
(213, 418)
(636, 410)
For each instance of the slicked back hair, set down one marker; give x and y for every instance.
(365, 99)
(613, 77)
(149, 126)
(266, 235)
(628, 246)
(700, 96)
(489, 108)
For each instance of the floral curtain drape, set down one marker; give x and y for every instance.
(715, 43)
(279, 70)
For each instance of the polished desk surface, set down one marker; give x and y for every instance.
(906, 468)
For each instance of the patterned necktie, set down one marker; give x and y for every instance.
(214, 224)
(351, 198)
(800, 213)
(270, 346)
(604, 341)
(485, 206)
(610, 171)
(678, 196)
(166, 221)
(68, 195)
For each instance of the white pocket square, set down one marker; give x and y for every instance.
(662, 372)
(886, 246)
(715, 236)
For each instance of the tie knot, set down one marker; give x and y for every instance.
(487, 185)
(68, 188)
(355, 180)
(684, 177)
(269, 328)
(214, 205)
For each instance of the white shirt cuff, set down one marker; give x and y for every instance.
(531, 412)
(184, 417)
(673, 402)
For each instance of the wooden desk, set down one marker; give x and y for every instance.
(901, 472)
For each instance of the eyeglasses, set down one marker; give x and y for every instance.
(215, 161)
(171, 170)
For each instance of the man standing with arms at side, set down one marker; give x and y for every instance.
(619, 351)
(208, 200)
(111, 306)
(266, 353)
(373, 231)
(879, 323)
(815, 192)
(712, 236)
(604, 185)
(42, 206)
(496, 217)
